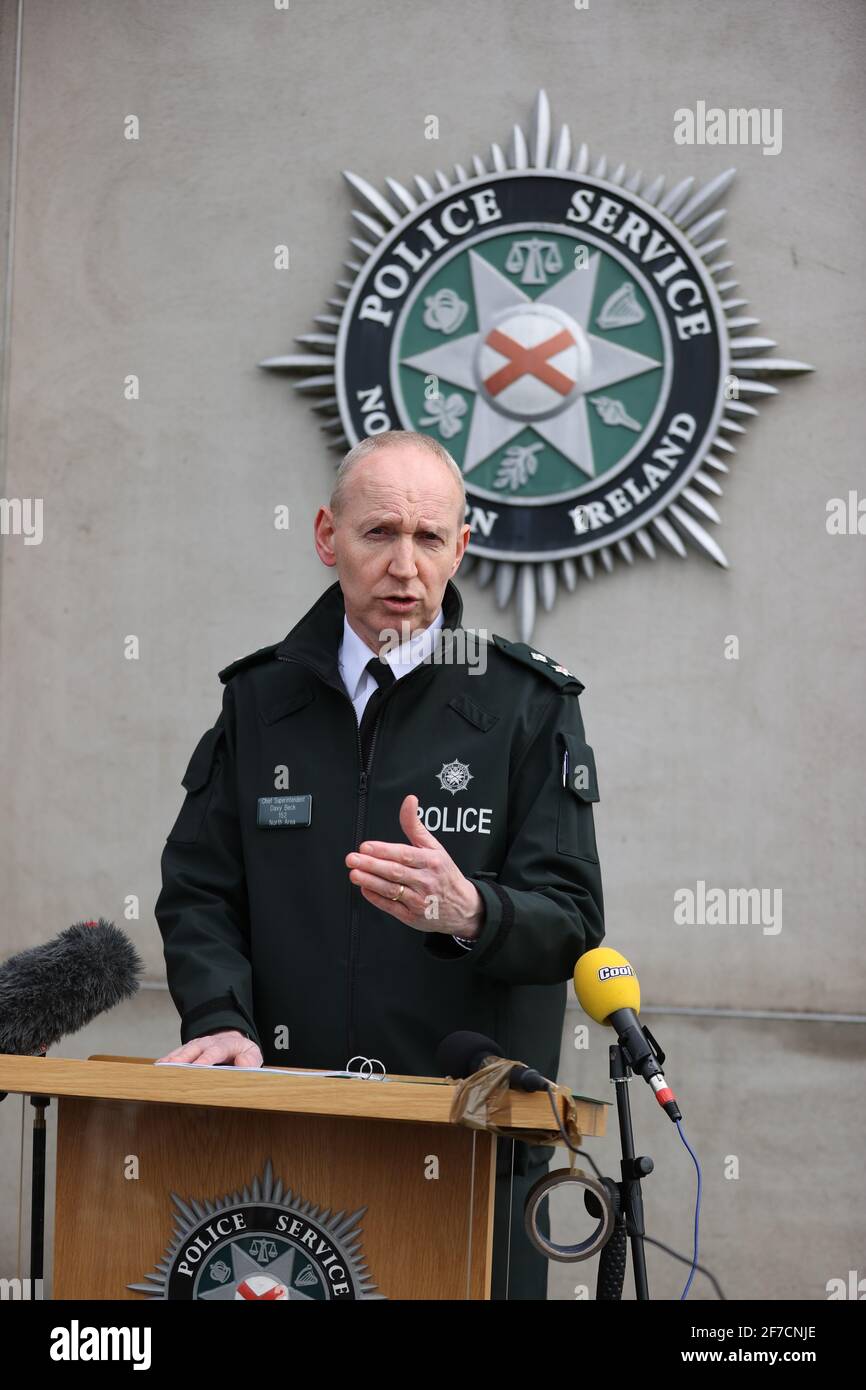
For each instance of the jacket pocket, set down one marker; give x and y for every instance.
(199, 781)
(277, 707)
(575, 829)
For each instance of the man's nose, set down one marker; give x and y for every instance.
(402, 561)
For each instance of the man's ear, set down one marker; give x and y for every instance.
(324, 527)
(462, 542)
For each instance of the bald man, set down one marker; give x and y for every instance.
(387, 836)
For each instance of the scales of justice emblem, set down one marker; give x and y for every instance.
(573, 336)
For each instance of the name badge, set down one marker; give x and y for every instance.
(275, 812)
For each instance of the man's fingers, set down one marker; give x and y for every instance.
(216, 1051)
(412, 825)
(410, 856)
(386, 879)
(249, 1056)
(387, 904)
(214, 1048)
(389, 888)
(230, 1050)
(388, 869)
(187, 1053)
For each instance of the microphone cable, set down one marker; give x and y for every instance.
(693, 1261)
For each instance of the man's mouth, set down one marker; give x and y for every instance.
(400, 601)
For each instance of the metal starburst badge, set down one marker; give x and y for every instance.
(573, 338)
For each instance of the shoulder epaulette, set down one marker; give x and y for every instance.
(537, 661)
(254, 658)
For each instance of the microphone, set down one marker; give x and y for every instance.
(607, 989)
(52, 990)
(462, 1054)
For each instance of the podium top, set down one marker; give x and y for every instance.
(422, 1100)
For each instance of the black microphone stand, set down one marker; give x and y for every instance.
(37, 1189)
(625, 1195)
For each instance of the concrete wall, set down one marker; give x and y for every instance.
(155, 257)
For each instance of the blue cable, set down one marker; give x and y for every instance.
(684, 1294)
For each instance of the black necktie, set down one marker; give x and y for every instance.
(384, 678)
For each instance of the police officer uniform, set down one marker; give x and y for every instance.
(263, 930)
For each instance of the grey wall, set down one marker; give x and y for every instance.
(155, 258)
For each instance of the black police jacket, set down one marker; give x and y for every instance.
(262, 928)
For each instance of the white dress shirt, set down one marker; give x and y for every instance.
(354, 655)
(360, 684)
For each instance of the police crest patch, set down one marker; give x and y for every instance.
(454, 777)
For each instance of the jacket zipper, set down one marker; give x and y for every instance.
(360, 819)
(355, 915)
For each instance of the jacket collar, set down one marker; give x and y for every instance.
(315, 639)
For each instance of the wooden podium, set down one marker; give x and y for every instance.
(229, 1184)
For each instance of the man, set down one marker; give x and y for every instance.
(309, 912)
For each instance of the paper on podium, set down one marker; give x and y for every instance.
(274, 1071)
